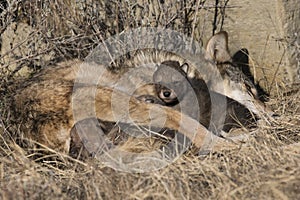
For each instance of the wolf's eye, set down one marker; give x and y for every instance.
(149, 101)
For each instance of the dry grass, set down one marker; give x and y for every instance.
(266, 167)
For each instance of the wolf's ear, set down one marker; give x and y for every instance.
(217, 48)
(185, 68)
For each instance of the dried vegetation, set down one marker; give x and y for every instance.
(38, 33)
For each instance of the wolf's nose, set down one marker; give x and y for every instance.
(167, 94)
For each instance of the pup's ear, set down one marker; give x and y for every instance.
(185, 68)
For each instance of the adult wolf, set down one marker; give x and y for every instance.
(44, 107)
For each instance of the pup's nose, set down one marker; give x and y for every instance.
(167, 94)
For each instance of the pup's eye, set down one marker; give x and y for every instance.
(167, 94)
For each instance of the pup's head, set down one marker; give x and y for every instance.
(170, 80)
